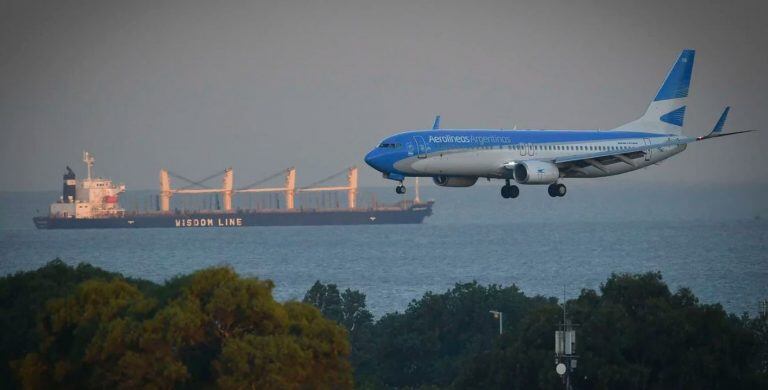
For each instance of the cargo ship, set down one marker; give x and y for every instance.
(94, 203)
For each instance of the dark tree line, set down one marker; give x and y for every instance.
(634, 333)
(83, 327)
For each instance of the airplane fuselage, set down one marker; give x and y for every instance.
(484, 153)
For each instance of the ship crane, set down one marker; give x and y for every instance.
(289, 189)
(227, 188)
(351, 186)
(166, 192)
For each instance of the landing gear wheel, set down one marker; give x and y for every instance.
(556, 190)
(551, 190)
(400, 189)
(509, 191)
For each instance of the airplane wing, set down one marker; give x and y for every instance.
(602, 158)
(627, 155)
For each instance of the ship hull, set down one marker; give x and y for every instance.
(411, 215)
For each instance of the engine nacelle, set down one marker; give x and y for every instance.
(454, 181)
(536, 172)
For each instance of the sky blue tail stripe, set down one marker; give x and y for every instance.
(679, 78)
(675, 117)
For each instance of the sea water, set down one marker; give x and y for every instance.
(712, 239)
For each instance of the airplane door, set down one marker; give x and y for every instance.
(649, 151)
(531, 150)
(421, 146)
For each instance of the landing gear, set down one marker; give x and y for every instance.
(509, 191)
(400, 189)
(557, 190)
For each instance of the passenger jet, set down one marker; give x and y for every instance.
(457, 158)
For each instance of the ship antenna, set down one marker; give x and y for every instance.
(417, 198)
(88, 160)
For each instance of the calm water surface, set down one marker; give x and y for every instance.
(711, 239)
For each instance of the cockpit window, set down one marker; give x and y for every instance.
(386, 145)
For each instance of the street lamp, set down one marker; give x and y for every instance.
(499, 316)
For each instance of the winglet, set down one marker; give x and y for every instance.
(721, 122)
(718, 129)
(436, 126)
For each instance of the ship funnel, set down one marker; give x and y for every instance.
(69, 191)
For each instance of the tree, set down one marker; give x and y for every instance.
(212, 327)
(440, 334)
(634, 334)
(327, 299)
(23, 297)
(349, 310)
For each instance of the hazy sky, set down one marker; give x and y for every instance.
(196, 86)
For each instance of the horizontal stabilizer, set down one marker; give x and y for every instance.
(723, 134)
(717, 131)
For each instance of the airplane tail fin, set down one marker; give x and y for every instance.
(666, 112)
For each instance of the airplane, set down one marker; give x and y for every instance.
(459, 157)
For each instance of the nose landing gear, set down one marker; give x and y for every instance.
(509, 191)
(557, 190)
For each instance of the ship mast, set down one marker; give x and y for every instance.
(88, 160)
(417, 198)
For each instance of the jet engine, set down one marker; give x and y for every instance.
(536, 172)
(454, 181)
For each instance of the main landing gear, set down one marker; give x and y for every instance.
(509, 191)
(557, 190)
(400, 189)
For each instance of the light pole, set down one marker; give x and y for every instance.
(499, 316)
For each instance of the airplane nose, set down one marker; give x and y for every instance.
(371, 160)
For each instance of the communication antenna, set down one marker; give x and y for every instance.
(565, 348)
(88, 160)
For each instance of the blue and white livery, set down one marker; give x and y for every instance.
(457, 158)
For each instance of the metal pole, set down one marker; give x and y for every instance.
(501, 320)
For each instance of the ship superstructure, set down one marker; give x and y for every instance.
(92, 197)
(94, 203)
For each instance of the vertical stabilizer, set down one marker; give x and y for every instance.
(666, 113)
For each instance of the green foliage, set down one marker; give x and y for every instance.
(22, 300)
(636, 334)
(82, 327)
(210, 328)
(640, 335)
(438, 335)
(349, 310)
